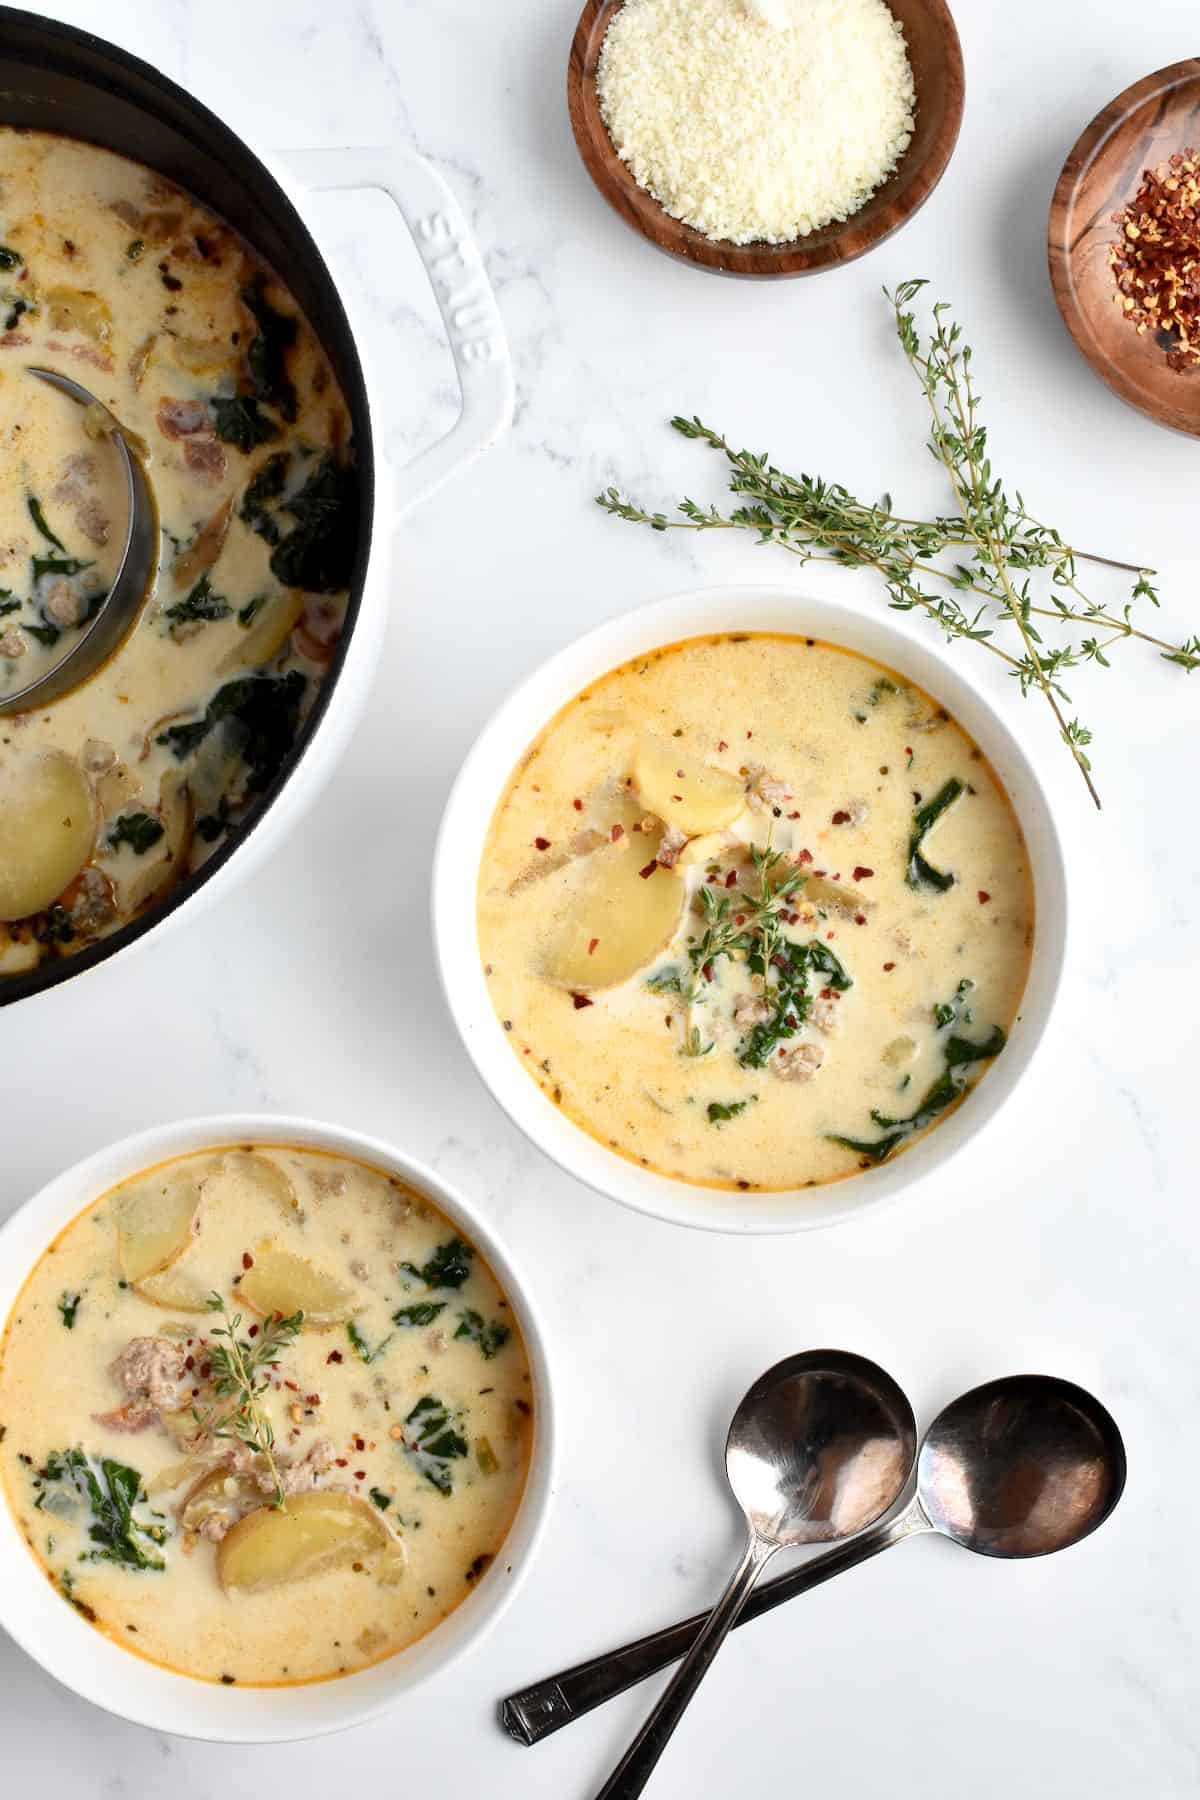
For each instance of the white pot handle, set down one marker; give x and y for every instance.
(460, 286)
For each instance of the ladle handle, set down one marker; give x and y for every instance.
(538, 1712)
(637, 1765)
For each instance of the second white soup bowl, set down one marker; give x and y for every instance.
(484, 778)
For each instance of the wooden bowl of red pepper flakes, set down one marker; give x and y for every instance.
(1124, 224)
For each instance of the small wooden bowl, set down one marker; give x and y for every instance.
(936, 57)
(1139, 129)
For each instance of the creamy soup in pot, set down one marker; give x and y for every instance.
(110, 795)
(755, 912)
(265, 1415)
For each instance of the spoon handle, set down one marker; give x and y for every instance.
(537, 1712)
(637, 1765)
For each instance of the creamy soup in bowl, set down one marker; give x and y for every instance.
(275, 1428)
(768, 906)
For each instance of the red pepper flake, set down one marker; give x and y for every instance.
(731, 878)
(581, 1000)
(841, 818)
(360, 1443)
(739, 918)
(292, 1385)
(592, 946)
(189, 1363)
(861, 874)
(247, 1260)
(722, 745)
(342, 1462)
(312, 1399)
(860, 918)
(837, 875)
(888, 967)
(805, 856)
(541, 843)
(829, 936)
(707, 971)
(794, 815)
(578, 805)
(984, 896)
(205, 1371)
(749, 734)
(648, 871)
(335, 1356)
(360, 1474)
(617, 832)
(253, 1331)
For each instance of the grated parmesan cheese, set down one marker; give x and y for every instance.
(757, 120)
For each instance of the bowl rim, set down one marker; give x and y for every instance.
(1062, 235)
(98, 1669)
(486, 770)
(832, 245)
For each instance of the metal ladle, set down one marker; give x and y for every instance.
(1020, 1467)
(100, 636)
(820, 1447)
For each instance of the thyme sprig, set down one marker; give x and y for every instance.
(989, 548)
(240, 1368)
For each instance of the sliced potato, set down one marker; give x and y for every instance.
(217, 1491)
(318, 1531)
(116, 789)
(264, 1177)
(280, 1282)
(192, 1469)
(200, 555)
(268, 633)
(683, 791)
(710, 847)
(47, 828)
(79, 309)
(156, 1221)
(620, 920)
(834, 896)
(175, 1291)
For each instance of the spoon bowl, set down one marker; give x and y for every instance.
(821, 1446)
(100, 637)
(1019, 1467)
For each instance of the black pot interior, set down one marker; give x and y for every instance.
(54, 78)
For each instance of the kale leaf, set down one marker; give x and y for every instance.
(111, 1490)
(263, 712)
(920, 872)
(488, 1336)
(718, 1112)
(423, 1312)
(140, 830)
(950, 1085)
(240, 423)
(448, 1267)
(431, 1442)
(266, 358)
(199, 606)
(318, 554)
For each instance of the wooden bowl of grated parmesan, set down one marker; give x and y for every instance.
(766, 137)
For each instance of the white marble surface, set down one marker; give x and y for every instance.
(1067, 1241)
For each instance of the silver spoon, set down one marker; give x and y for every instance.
(100, 636)
(821, 1446)
(1020, 1467)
